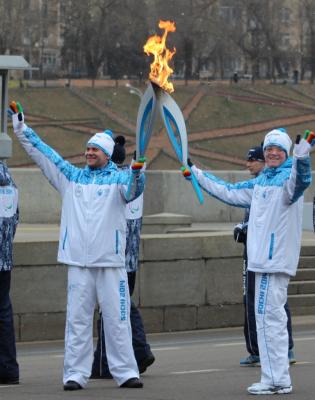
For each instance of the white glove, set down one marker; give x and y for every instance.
(302, 149)
(15, 111)
(18, 122)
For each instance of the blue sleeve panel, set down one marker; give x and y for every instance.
(303, 177)
(62, 165)
(137, 185)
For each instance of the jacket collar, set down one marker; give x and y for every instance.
(109, 168)
(270, 172)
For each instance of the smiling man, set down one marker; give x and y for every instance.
(92, 244)
(98, 156)
(255, 164)
(275, 198)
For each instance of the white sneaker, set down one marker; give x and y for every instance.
(262, 388)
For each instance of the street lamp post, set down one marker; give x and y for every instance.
(7, 63)
(134, 90)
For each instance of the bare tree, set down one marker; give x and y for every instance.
(308, 36)
(258, 35)
(85, 32)
(102, 34)
(10, 11)
(193, 24)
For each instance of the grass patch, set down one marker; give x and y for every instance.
(217, 109)
(216, 112)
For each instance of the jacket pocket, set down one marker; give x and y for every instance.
(271, 246)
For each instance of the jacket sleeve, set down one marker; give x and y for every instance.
(54, 167)
(238, 194)
(137, 186)
(300, 178)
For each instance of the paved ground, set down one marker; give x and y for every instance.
(189, 365)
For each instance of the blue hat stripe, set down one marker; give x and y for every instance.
(277, 144)
(90, 144)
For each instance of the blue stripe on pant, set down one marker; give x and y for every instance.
(272, 333)
(139, 343)
(250, 332)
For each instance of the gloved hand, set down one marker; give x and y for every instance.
(138, 166)
(186, 173)
(240, 233)
(309, 137)
(303, 146)
(15, 111)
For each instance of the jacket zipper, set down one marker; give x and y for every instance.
(87, 220)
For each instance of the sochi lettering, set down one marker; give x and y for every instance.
(122, 295)
(262, 293)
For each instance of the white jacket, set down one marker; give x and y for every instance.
(93, 222)
(275, 199)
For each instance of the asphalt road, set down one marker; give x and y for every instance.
(194, 365)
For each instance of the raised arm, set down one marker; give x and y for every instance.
(136, 180)
(301, 173)
(54, 167)
(238, 194)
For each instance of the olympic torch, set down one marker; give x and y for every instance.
(156, 97)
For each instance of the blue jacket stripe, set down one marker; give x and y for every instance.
(272, 241)
(117, 241)
(64, 239)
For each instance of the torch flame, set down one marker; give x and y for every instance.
(155, 45)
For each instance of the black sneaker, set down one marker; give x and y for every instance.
(132, 383)
(9, 381)
(72, 385)
(145, 363)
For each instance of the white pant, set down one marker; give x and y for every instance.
(271, 322)
(108, 286)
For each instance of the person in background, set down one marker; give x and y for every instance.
(9, 216)
(255, 164)
(141, 347)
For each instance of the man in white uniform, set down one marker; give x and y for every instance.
(92, 243)
(275, 199)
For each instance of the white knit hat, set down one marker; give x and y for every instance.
(280, 138)
(104, 141)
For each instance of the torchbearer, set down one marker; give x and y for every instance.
(92, 244)
(275, 199)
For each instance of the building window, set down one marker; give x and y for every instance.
(229, 14)
(284, 15)
(49, 59)
(285, 40)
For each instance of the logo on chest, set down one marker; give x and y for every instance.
(262, 193)
(102, 192)
(78, 191)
